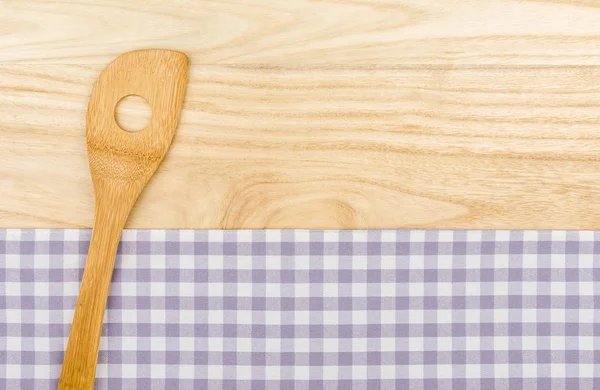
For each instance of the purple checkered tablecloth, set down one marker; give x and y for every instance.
(299, 309)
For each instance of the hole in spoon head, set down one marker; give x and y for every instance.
(133, 113)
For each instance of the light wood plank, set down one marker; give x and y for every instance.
(292, 32)
(316, 147)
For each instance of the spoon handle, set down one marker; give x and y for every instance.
(79, 366)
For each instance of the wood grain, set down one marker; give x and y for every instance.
(318, 113)
(121, 163)
(293, 32)
(315, 146)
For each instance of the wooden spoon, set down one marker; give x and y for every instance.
(121, 163)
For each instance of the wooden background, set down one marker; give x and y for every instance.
(318, 114)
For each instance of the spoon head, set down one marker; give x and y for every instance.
(119, 156)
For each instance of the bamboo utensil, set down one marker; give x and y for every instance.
(121, 163)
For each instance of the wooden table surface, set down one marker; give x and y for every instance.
(318, 114)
